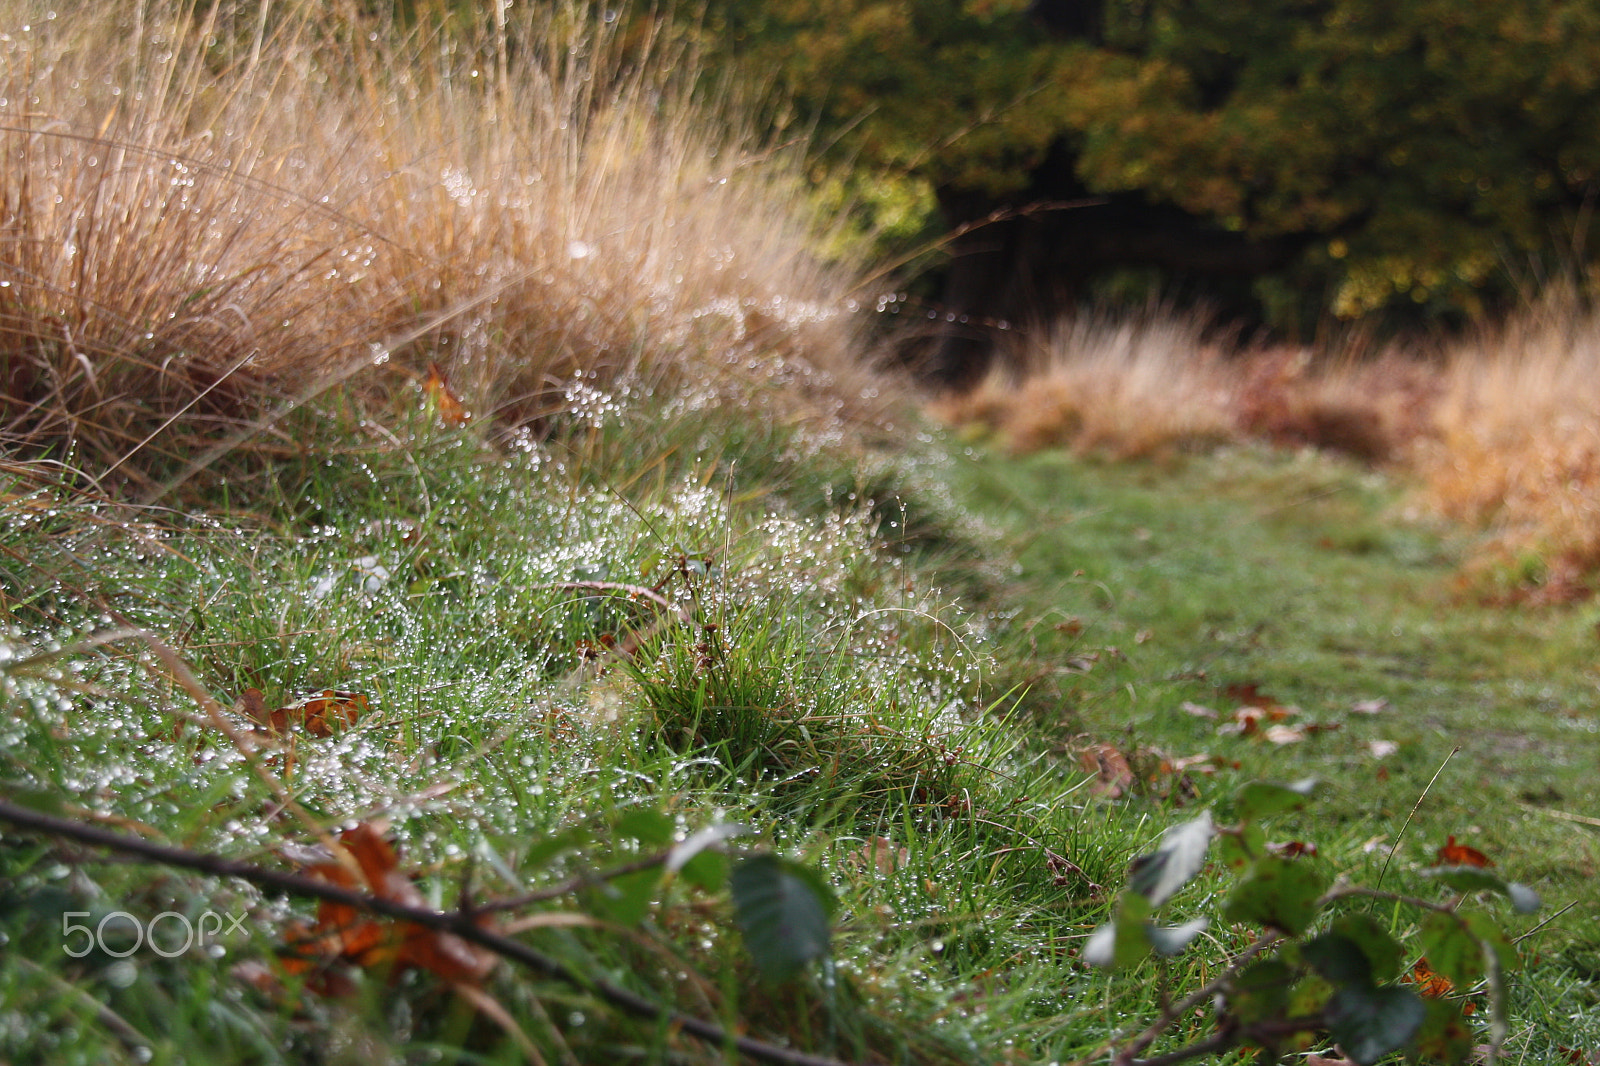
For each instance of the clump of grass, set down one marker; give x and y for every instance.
(213, 212)
(1133, 387)
(1514, 448)
(1370, 407)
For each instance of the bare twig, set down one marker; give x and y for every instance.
(458, 922)
(573, 884)
(1126, 1054)
(1260, 1033)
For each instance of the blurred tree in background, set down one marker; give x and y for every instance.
(1298, 158)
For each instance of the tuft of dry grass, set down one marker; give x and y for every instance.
(214, 211)
(1153, 383)
(1372, 408)
(1498, 431)
(1514, 446)
(1130, 387)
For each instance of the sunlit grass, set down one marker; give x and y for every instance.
(212, 215)
(1495, 429)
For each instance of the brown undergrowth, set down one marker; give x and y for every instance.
(212, 212)
(1497, 431)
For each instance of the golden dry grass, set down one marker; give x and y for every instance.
(211, 211)
(1131, 387)
(1514, 446)
(1498, 432)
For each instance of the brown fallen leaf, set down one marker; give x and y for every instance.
(1453, 854)
(345, 935)
(1284, 734)
(317, 714)
(1113, 774)
(880, 854)
(1292, 849)
(446, 403)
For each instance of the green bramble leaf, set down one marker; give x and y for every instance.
(707, 871)
(1369, 1022)
(1261, 799)
(1476, 879)
(1280, 893)
(696, 860)
(1238, 848)
(648, 827)
(1338, 959)
(784, 911)
(1124, 941)
(1465, 878)
(1445, 1035)
(1386, 955)
(1261, 991)
(624, 900)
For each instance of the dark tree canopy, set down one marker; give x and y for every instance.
(1339, 156)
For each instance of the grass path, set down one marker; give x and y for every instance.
(1254, 577)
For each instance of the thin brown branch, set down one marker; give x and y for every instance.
(459, 923)
(1126, 1055)
(576, 883)
(1260, 1033)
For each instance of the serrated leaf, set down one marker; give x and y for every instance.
(1369, 1023)
(1451, 948)
(1238, 849)
(1261, 991)
(626, 899)
(1261, 799)
(1281, 893)
(1171, 940)
(1338, 959)
(700, 840)
(1445, 1035)
(1182, 854)
(1385, 954)
(648, 827)
(783, 911)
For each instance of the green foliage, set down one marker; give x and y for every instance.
(1340, 981)
(784, 910)
(1411, 149)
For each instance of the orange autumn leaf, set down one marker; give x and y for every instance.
(316, 714)
(1453, 854)
(330, 706)
(446, 403)
(1430, 983)
(1113, 775)
(345, 934)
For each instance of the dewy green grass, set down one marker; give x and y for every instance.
(684, 569)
